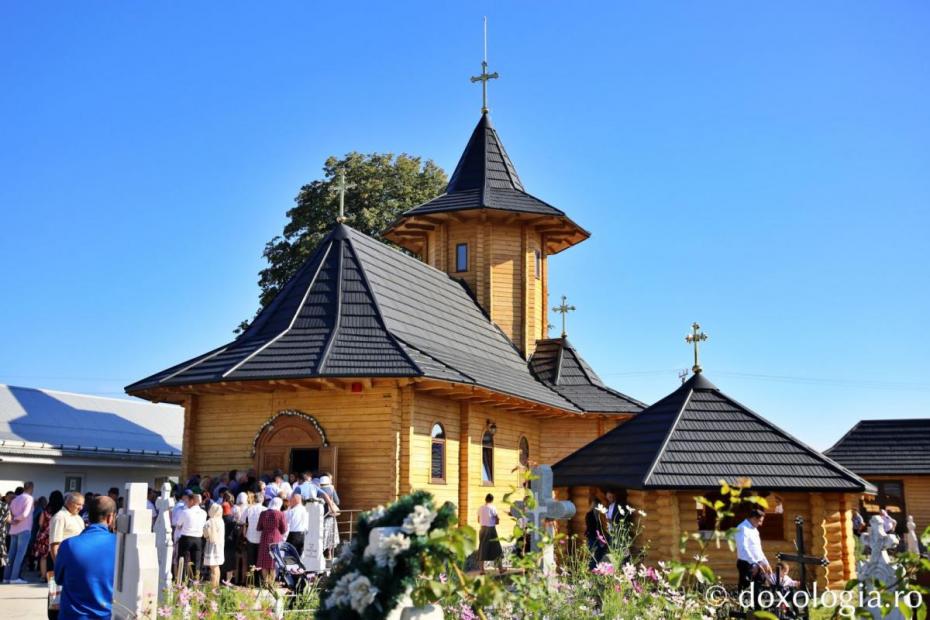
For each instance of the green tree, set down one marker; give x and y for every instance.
(385, 185)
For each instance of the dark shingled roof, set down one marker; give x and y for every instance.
(693, 438)
(559, 365)
(485, 178)
(885, 447)
(358, 308)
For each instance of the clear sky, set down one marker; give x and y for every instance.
(759, 167)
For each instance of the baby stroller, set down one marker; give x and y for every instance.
(288, 567)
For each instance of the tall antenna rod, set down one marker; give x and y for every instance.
(485, 76)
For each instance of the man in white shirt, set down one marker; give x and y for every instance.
(190, 530)
(66, 523)
(298, 520)
(307, 489)
(750, 559)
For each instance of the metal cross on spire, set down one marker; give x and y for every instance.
(694, 338)
(564, 309)
(485, 76)
(341, 187)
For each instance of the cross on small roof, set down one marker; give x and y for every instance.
(341, 186)
(485, 76)
(694, 338)
(563, 309)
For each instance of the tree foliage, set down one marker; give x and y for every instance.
(385, 185)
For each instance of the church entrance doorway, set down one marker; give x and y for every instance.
(294, 443)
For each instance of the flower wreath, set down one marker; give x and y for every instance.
(368, 583)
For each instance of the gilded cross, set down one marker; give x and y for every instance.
(485, 76)
(341, 187)
(694, 338)
(564, 309)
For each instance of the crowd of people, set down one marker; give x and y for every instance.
(224, 526)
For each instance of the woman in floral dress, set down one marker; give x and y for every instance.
(4, 527)
(40, 551)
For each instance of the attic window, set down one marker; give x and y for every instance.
(438, 454)
(461, 257)
(538, 264)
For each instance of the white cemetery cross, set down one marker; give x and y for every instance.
(312, 556)
(164, 539)
(135, 592)
(878, 568)
(546, 507)
(910, 538)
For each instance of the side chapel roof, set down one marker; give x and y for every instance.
(558, 364)
(885, 447)
(695, 437)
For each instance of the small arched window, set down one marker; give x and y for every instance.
(487, 457)
(437, 472)
(524, 452)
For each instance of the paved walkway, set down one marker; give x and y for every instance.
(23, 602)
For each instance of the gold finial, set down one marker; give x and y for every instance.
(694, 338)
(564, 309)
(341, 187)
(485, 76)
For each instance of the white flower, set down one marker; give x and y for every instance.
(601, 508)
(642, 513)
(376, 514)
(345, 554)
(339, 595)
(388, 548)
(361, 594)
(418, 521)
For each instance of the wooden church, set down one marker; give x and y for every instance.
(397, 373)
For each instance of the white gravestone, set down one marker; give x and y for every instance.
(135, 591)
(910, 539)
(312, 556)
(878, 568)
(164, 540)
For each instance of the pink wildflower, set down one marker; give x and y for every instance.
(443, 578)
(202, 615)
(240, 616)
(466, 613)
(600, 538)
(652, 574)
(214, 606)
(164, 612)
(603, 568)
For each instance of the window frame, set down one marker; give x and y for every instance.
(440, 441)
(523, 456)
(538, 255)
(458, 248)
(487, 447)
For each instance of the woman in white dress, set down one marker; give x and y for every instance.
(215, 534)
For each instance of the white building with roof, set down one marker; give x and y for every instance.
(79, 442)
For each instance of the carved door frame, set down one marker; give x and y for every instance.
(286, 431)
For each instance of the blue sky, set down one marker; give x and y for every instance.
(759, 168)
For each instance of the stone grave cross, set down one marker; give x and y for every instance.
(135, 590)
(546, 507)
(164, 539)
(312, 555)
(801, 558)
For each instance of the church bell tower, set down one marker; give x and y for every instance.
(488, 232)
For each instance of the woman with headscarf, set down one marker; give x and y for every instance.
(252, 534)
(214, 532)
(56, 501)
(273, 527)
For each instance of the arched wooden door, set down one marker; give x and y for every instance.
(293, 445)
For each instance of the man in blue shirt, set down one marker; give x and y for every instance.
(85, 566)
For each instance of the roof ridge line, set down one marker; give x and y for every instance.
(290, 326)
(324, 357)
(432, 357)
(845, 435)
(196, 361)
(668, 436)
(374, 301)
(828, 461)
(558, 361)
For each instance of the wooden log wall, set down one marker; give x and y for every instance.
(916, 497)
(364, 426)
